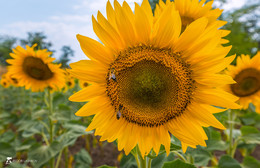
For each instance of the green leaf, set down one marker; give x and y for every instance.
(228, 162)
(74, 131)
(105, 166)
(252, 138)
(159, 160)
(16, 165)
(63, 114)
(30, 128)
(250, 162)
(7, 136)
(83, 158)
(174, 147)
(6, 150)
(58, 98)
(43, 153)
(246, 130)
(25, 145)
(128, 162)
(39, 113)
(201, 156)
(248, 119)
(215, 142)
(178, 164)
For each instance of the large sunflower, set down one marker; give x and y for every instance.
(148, 80)
(247, 75)
(34, 69)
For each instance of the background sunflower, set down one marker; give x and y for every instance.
(34, 69)
(246, 73)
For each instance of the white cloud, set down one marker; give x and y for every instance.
(58, 33)
(230, 4)
(71, 18)
(62, 29)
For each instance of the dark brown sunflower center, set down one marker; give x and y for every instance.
(149, 86)
(248, 82)
(85, 84)
(185, 20)
(36, 68)
(14, 80)
(69, 83)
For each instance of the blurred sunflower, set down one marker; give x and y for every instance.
(34, 69)
(70, 81)
(247, 75)
(191, 10)
(12, 80)
(83, 84)
(5, 83)
(148, 80)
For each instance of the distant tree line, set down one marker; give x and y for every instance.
(39, 38)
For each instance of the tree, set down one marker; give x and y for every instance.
(67, 52)
(37, 38)
(245, 31)
(6, 45)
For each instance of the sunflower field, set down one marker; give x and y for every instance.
(166, 84)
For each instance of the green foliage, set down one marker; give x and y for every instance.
(6, 45)
(67, 52)
(36, 38)
(228, 162)
(41, 154)
(83, 159)
(177, 163)
(243, 23)
(250, 162)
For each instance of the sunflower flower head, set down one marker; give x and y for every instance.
(191, 10)
(83, 84)
(246, 73)
(34, 69)
(148, 79)
(70, 81)
(5, 82)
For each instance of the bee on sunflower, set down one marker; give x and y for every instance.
(246, 73)
(35, 69)
(149, 79)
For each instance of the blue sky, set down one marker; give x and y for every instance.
(60, 20)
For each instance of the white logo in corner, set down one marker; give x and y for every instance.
(8, 160)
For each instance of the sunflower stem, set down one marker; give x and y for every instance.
(2, 98)
(135, 154)
(50, 106)
(58, 161)
(149, 163)
(142, 159)
(180, 156)
(231, 121)
(66, 156)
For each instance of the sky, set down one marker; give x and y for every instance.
(60, 20)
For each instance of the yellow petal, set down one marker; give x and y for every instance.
(89, 92)
(95, 50)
